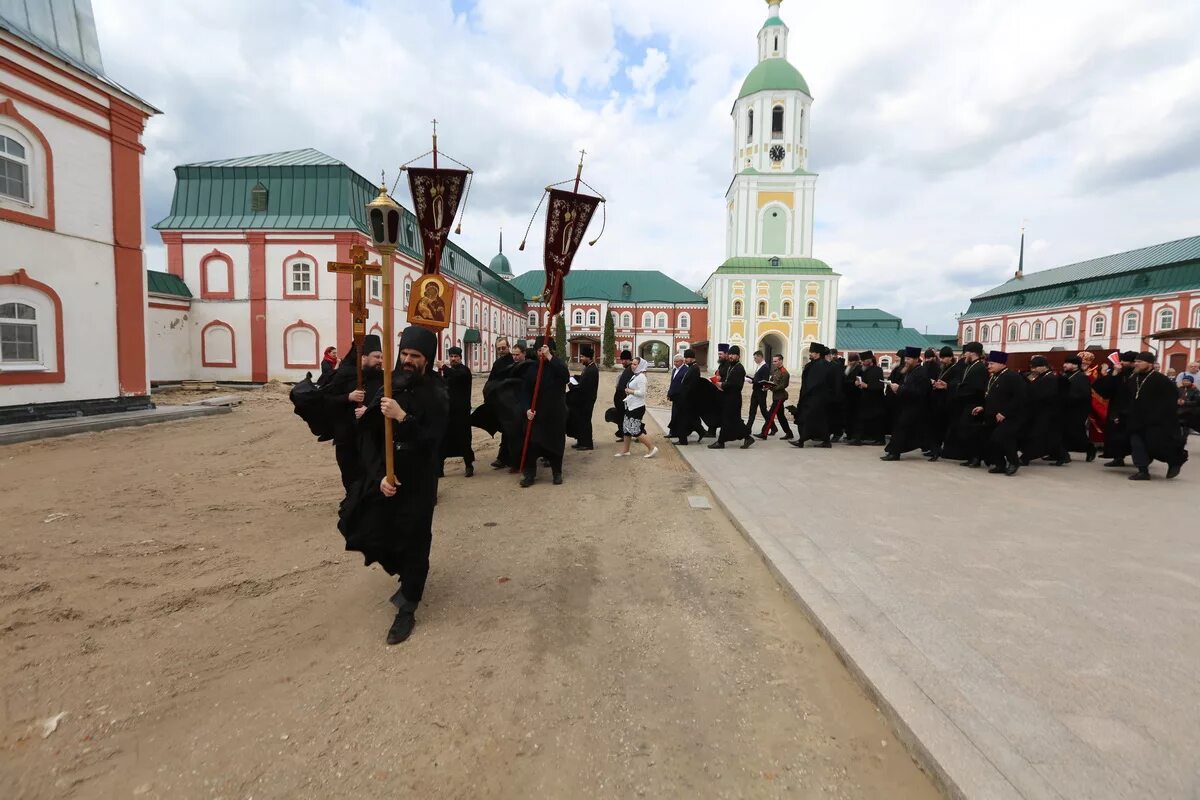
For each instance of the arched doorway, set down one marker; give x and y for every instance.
(658, 353)
(773, 344)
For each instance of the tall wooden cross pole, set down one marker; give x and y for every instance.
(358, 269)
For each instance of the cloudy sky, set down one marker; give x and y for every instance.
(938, 127)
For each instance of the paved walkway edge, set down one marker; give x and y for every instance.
(49, 429)
(948, 755)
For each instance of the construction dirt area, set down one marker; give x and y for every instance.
(178, 619)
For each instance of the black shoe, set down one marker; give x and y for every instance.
(1091, 453)
(557, 479)
(403, 624)
(1116, 462)
(798, 443)
(890, 457)
(469, 471)
(787, 437)
(996, 470)
(823, 444)
(935, 457)
(717, 446)
(878, 442)
(1173, 470)
(747, 442)
(1140, 475)
(584, 447)
(855, 443)
(1011, 470)
(682, 442)
(526, 482)
(497, 464)
(762, 436)
(1062, 462)
(1024, 461)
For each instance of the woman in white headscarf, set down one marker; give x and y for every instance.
(635, 410)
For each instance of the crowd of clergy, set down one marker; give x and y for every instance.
(968, 406)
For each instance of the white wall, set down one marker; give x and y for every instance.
(169, 341)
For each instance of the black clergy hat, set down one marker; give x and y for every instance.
(689, 353)
(543, 340)
(1039, 361)
(735, 351)
(1076, 360)
(372, 344)
(912, 352)
(1129, 356)
(930, 352)
(865, 354)
(973, 347)
(818, 348)
(946, 352)
(852, 357)
(454, 351)
(586, 350)
(722, 348)
(626, 355)
(1145, 355)
(417, 338)
(998, 357)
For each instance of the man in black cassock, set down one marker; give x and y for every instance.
(617, 412)
(701, 403)
(581, 400)
(457, 441)
(966, 438)
(393, 524)
(1043, 431)
(943, 374)
(342, 398)
(500, 369)
(820, 381)
(850, 395)
(1076, 403)
(723, 362)
(732, 425)
(549, 422)
(1114, 386)
(869, 403)
(912, 397)
(1152, 420)
(1003, 414)
(837, 410)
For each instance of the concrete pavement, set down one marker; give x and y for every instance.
(1034, 636)
(50, 428)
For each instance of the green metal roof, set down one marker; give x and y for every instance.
(791, 266)
(306, 190)
(500, 265)
(645, 286)
(166, 283)
(774, 74)
(471, 336)
(1159, 269)
(864, 317)
(772, 22)
(883, 341)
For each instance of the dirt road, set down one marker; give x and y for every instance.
(180, 593)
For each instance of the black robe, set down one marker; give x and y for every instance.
(617, 413)
(965, 438)
(908, 427)
(548, 439)
(733, 427)
(837, 412)
(1115, 389)
(937, 412)
(1006, 394)
(581, 401)
(1043, 430)
(820, 386)
(1153, 417)
(1076, 403)
(850, 399)
(457, 441)
(1189, 411)
(336, 391)
(869, 410)
(397, 531)
(702, 404)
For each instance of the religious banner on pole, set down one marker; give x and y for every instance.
(436, 194)
(567, 219)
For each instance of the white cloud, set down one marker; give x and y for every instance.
(937, 130)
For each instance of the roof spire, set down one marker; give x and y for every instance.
(501, 239)
(1021, 259)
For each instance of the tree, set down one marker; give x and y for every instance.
(560, 336)
(658, 354)
(608, 344)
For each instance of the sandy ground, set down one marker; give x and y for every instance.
(180, 595)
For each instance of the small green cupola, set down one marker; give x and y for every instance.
(499, 264)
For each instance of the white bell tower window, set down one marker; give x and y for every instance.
(750, 125)
(777, 122)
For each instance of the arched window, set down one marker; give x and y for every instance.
(1012, 332)
(968, 334)
(1097, 325)
(762, 308)
(660, 321)
(647, 319)
(685, 321)
(750, 125)
(216, 276)
(1025, 331)
(1129, 323)
(786, 309)
(495, 320)
(800, 124)
(776, 43)
(18, 334)
(1037, 331)
(475, 313)
(299, 276)
(593, 317)
(777, 122)
(627, 320)
(462, 311)
(983, 334)
(300, 346)
(533, 319)
(14, 169)
(217, 345)
(1166, 319)
(578, 318)
(774, 230)
(1052, 329)
(407, 289)
(374, 288)
(1068, 327)
(1196, 317)
(737, 308)
(810, 309)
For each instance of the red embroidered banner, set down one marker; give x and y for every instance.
(436, 194)
(567, 220)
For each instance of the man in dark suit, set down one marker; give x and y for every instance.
(758, 389)
(678, 427)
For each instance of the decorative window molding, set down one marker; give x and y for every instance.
(984, 335)
(1098, 325)
(1068, 328)
(1037, 331)
(36, 209)
(627, 320)
(50, 366)
(1129, 322)
(810, 309)
(593, 318)
(1024, 331)
(685, 321)
(1166, 319)
(1012, 331)
(407, 289)
(210, 265)
(968, 334)
(647, 319)
(737, 308)
(786, 309)
(1051, 329)
(218, 345)
(660, 321)
(298, 353)
(533, 317)
(577, 317)
(300, 277)
(762, 308)
(375, 289)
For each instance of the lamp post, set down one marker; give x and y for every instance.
(383, 220)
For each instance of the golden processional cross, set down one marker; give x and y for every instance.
(358, 269)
